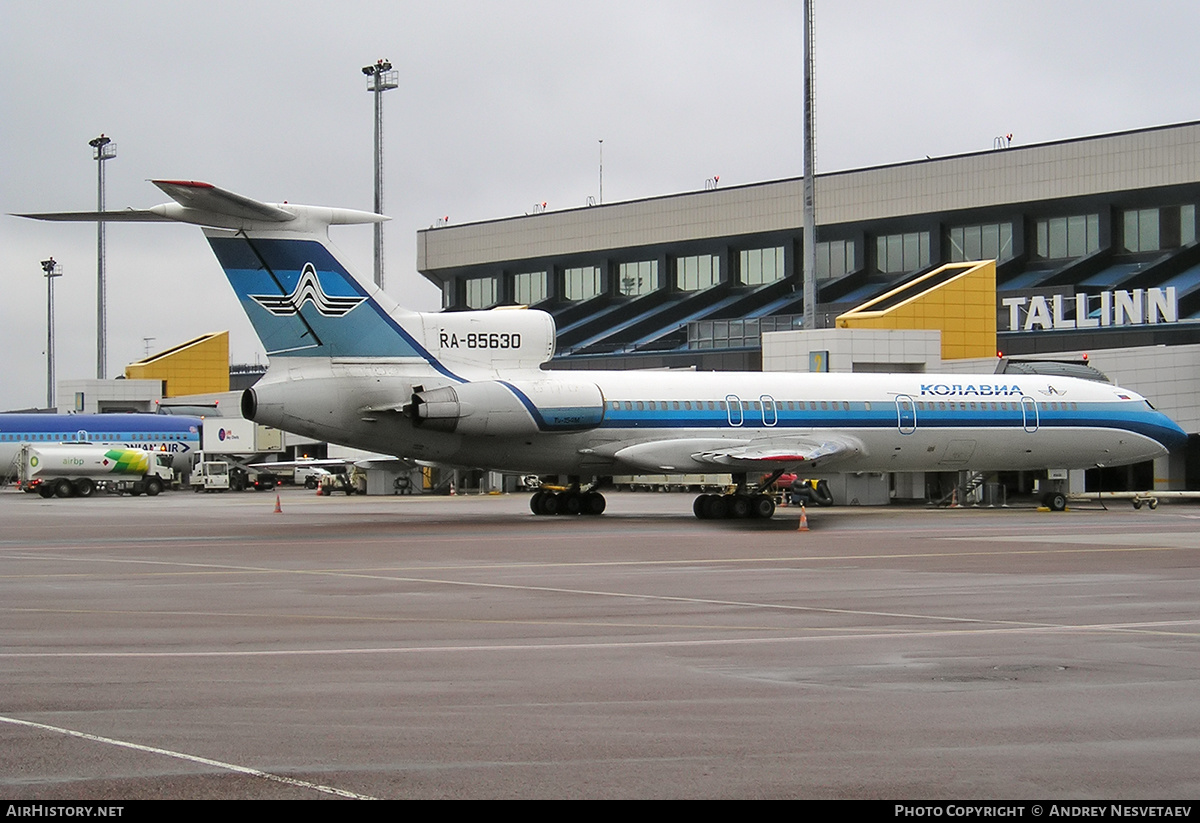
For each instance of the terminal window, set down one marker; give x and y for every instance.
(1155, 229)
(1064, 237)
(897, 253)
(760, 266)
(1142, 230)
(481, 292)
(635, 279)
(834, 259)
(582, 283)
(697, 272)
(991, 241)
(529, 287)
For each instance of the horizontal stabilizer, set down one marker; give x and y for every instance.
(125, 216)
(207, 197)
(204, 204)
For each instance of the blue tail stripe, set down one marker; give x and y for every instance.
(304, 303)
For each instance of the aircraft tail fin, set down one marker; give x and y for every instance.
(303, 301)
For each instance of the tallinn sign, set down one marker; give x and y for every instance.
(1052, 312)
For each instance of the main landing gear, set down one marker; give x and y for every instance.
(734, 507)
(569, 501)
(739, 504)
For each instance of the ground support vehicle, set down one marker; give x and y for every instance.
(81, 469)
(309, 476)
(350, 483)
(213, 476)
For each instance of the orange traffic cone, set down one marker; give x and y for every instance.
(803, 527)
(452, 491)
(278, 508)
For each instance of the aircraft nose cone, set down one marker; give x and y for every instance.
(1174, 438)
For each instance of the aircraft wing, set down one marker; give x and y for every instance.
(801, 451)
(809, 451)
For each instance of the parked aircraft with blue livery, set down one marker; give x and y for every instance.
(176, 435)
(350, 366)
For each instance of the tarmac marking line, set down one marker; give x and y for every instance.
(1134, 628)
(219, 568)
(204, 761)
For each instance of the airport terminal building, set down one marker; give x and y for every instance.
(1095, 243)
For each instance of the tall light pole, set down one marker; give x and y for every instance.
(382, 79)
(601, 171)
(810, 174)
(103, 149)
(51, 270)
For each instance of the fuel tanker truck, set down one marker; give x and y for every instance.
(79, 469)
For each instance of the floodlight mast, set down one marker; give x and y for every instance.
(810, 172)
(383, 79)
(103, 149)
(51, 270)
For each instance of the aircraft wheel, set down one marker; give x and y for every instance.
(718, 507)
(46, 491)
(63, 488)
(594, 503)
(739, 507)
(764, 507)
(1056, 501)
(535, 502)
(84, 487)
(700, 507)
(572, 503)
(551, 504)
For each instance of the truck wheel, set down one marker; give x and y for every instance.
(310, 482)
(84, 487)
(46, 491)
(153, 486)
(63, 488)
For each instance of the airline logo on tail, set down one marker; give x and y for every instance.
(308, 290)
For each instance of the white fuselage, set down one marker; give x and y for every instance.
(682, 422)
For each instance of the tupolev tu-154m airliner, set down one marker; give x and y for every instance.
(350, 366)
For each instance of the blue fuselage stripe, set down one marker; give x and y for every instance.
(1114, 416)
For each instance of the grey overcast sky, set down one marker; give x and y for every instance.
(500, 106)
